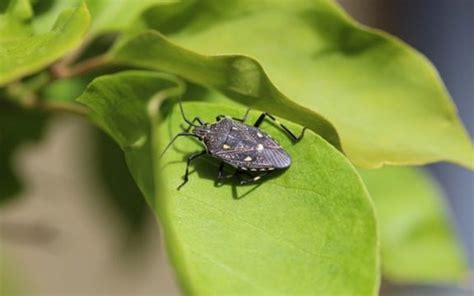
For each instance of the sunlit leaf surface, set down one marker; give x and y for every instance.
(239, 77)
(386, 100)
(107, 15)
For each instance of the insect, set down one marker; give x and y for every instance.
(251, 151)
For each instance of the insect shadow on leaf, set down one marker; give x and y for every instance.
(250, 151)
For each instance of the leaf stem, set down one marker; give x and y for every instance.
(64, 107)
(60, 70)
(18, 93)
(73, 56)
(69, 59)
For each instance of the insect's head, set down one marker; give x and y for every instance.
(201, 131)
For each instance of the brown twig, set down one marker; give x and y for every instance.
(69, 59)
(89, 65)
(61, 71)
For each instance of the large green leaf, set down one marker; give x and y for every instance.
(27, 54)
(386, 100)
(418, 243)
(308, 230)
(239, 77)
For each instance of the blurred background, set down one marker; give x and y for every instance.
(67, 239)
(443, 30)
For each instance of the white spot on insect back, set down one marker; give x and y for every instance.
(259, 135)
(248, 158)
(256, 178)
(225, 146)
(259, 147)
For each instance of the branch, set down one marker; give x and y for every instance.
(60, 70)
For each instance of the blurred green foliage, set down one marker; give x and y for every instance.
(419, 244)
(22, 53)
(17, 128)
(123, 193)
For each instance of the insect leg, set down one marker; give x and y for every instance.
(252, 179)
(245, 116)
(191, 123)
(220, 174)
(198, 119)
(219, 117)
(287, 131)
(190, 158)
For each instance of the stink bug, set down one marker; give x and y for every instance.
(251, 151)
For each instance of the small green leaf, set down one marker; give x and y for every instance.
(116, 15)
(418, 243)
(308, 230)
(27, 54)
(14, 20)
(20, 9)
(65, 90)
(46, 12)
(107, 15)
(385, 99)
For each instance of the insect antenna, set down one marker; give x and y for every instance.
(183, 115)
(174, 139)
